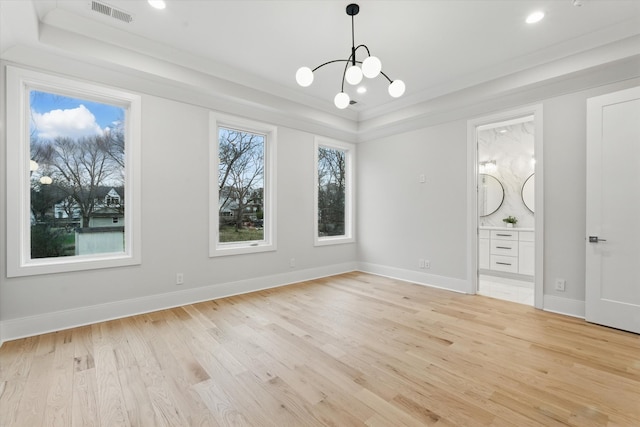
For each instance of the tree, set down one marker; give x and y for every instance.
(43, 198)
(331, 191)
(114, 143)
(240, 172)
(79, 167)
(46, 241)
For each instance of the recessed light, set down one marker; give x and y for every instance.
(362, 90)
(157, 4)
(535, 17)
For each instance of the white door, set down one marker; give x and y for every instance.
(613, 210)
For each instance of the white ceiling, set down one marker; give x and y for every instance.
(436, 47)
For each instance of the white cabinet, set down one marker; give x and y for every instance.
(484, 249)
(506, 250)
(526, 253)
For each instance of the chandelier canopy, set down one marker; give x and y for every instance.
(354, 70)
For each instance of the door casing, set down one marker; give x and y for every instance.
(472, 195)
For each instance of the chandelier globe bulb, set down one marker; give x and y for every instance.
(341, 100)
(304, 76)
(353, 75)
(371, 67)
(397, 88)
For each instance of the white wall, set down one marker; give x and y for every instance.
(175, 235)
(402, 220)
(565, 188)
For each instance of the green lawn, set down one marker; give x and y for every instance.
(229, 234)
(69, 238)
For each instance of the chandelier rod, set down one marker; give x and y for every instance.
(353, 41)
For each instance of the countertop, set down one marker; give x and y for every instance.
(482, 227)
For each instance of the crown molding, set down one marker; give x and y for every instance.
(197, 81)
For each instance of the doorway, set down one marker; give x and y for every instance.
(506, 209)
(505, 205)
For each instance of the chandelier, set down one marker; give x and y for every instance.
(371, 67)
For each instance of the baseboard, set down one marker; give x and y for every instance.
(432, 280)
(566, 306)
(60, 320)
(504, 274)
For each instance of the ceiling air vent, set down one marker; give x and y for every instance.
(107, 10)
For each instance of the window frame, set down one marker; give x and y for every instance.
(270, 132)
(18, 84)
(349, 197)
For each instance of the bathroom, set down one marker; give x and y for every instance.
(506, 180)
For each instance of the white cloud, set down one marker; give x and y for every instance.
(74, 123)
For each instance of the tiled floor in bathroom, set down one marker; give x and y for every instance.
(506, 289)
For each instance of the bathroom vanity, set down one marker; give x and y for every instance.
(508, 250)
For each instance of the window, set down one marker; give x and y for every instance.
(73, 171)
(242, 177)
(334, 205)
(112, 200)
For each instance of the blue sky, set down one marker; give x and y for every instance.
(56, 115)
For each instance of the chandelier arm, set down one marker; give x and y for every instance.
(331, 62)
(386, 77)
(344, 73)
(364, 46)
(350, 59)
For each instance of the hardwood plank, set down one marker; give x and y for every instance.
(140, 411)
(30, 411)
(348, 350)
(111, 407)
(386, 410)
(156, 366)
(225, 411)
(84, 411)
(58, 411)
(15, 364)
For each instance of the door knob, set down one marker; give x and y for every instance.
(596, 239)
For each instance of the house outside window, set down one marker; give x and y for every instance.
(334, 192)
(242, 178)
(77, 156)
(113, 198)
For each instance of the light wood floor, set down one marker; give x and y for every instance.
(353, 349)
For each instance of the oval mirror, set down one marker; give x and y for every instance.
(490, 194)
(528, 191)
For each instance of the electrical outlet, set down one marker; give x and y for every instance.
(179, 279)
(421, 263)
(560, 284)
(427, 264)
(422, 178)
(292, 262)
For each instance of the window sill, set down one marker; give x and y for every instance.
(337, 240)
(76, 263)
(239, 249)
